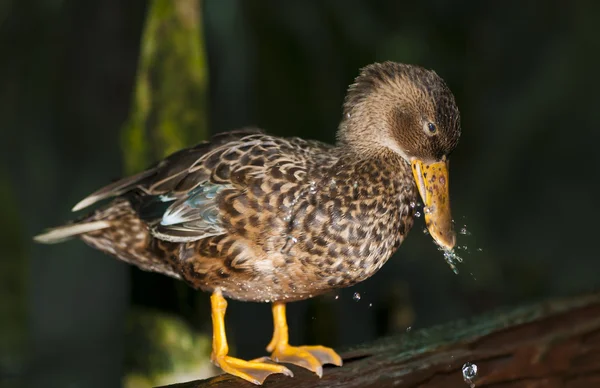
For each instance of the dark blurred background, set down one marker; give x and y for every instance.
(523, 177)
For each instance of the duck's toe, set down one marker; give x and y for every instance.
(310, 357)
(253, 371)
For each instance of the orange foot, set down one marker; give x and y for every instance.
(255, 371)
(310, 357)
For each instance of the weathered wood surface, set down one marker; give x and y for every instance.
(552, 344)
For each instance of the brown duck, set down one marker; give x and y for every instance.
(254, 217)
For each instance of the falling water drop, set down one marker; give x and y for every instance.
(452, 258)
(408, 329)
(417, 214)
(356, 297)
(337, 297)
(413, 204)
(469, 372)
(463, 248)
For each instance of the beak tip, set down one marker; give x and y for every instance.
(447, 242)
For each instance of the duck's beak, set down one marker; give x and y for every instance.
(432, 181)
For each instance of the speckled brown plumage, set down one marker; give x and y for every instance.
(296, 226)
(256, 217)
(264, 218)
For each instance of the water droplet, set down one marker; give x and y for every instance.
(462, 248)
(428, 209)
(452, 258)
(469, 372)
(413, 204)
(479, 249)
(356, 297)
(464, 231)
(417, 214)
(425, 231)
(337, 297)
(408, 329)
(289, 243)
(370, 304)
(347, 115)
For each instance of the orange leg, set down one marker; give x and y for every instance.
(253, 371)
(310, 357)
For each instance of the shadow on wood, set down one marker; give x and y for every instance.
(552, 344)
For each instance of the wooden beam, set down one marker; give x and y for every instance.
(551, 344)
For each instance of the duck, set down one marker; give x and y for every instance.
(254, 217)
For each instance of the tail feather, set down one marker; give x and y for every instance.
(116, 229)
(62, 233)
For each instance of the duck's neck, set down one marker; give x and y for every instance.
(370, 138)
(383, 174)
(368, 153)
(379, 189)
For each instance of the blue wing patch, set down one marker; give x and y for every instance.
(194, 216)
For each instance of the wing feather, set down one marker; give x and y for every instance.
(179, 198)
(167, 174)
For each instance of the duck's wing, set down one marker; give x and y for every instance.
(221, 184)
(178, 198)
(165, 171)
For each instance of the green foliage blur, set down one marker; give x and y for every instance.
(169, 109)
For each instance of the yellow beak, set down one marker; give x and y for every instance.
(432, 181)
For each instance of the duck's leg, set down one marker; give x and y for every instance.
(253, 371)
(310, 357)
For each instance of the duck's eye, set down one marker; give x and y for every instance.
(431, 127)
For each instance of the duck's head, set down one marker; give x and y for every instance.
(411, 112)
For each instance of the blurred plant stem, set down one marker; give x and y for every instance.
(169, 109)
(169, 112)
(13, 272)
